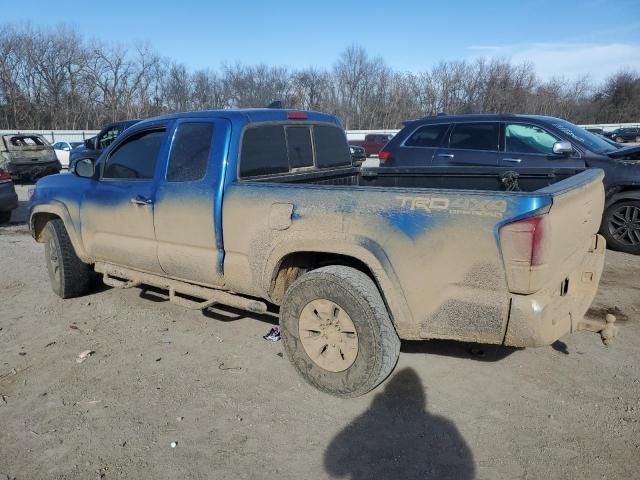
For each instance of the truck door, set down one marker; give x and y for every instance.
(470, 144)
(188, 211)
(117, 211)
(531, 146)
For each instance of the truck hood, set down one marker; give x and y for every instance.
(629, 153)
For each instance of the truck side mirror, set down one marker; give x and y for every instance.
(562, 148)
(84, 168)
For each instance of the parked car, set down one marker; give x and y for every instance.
(94, 146)
(63, 149)
(27, 156)
(525, 142)
(8, 197)
(358, 155)
(255, 207)
(625, 134)
(373, 142)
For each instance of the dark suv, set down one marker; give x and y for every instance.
(625, 134)
(515, 144)
(94, 146)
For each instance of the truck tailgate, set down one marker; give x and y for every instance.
(566, 233)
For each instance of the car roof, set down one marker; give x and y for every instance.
(481, 117)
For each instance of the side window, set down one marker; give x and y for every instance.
(299, 147)
(136, 158)
(331, 147)
(427, 136)
(108, 137)
(190, 152)
(264, 151)
(528, 139)
(475, 136)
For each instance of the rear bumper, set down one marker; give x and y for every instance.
(545, 316)
(8, 197)
(33, 170)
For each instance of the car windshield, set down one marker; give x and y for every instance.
(592, 142)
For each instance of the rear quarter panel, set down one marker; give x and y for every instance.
(433, 253)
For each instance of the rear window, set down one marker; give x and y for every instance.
(274, 149)
(299, 147)
(264, 151)
(427, 136)
(475, 136)
(331, 147)
(26, 141)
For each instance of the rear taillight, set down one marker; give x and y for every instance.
(524, 245)
(384, 155)
(5, 177)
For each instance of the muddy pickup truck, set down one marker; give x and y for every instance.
(260, 209)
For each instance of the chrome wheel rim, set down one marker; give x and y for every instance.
(328, 335)
(624, 225)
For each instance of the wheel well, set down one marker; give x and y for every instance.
(39, 221)
(296, 264)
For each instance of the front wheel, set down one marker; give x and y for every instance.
(621, 226)
(619, 139)
(337, 331)
(69, 276)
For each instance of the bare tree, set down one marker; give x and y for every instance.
(54, 78)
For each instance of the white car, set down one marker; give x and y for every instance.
(63, 149)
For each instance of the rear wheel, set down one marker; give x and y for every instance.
(5, 217)
(69, 276)
(638, 139)
(337, 331)
(621, 226)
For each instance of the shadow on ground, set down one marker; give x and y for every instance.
(397, 438)
(451, 348)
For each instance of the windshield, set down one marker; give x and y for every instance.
(592, 142)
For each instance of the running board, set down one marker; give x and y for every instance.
(120, 277)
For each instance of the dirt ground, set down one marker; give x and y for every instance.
(236, 408)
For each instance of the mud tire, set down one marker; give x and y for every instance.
(378, 343)
(69, 276)
(5, 217)
(612, 242)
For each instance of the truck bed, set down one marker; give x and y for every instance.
(464, 178)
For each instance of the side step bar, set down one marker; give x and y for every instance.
(120, 277)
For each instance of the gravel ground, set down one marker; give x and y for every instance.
(236, 409)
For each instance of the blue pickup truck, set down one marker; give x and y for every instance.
(258, 208)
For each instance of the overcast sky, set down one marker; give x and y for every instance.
(589, 37)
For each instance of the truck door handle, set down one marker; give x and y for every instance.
(446, 155)
(140, 200)
(512, 160)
